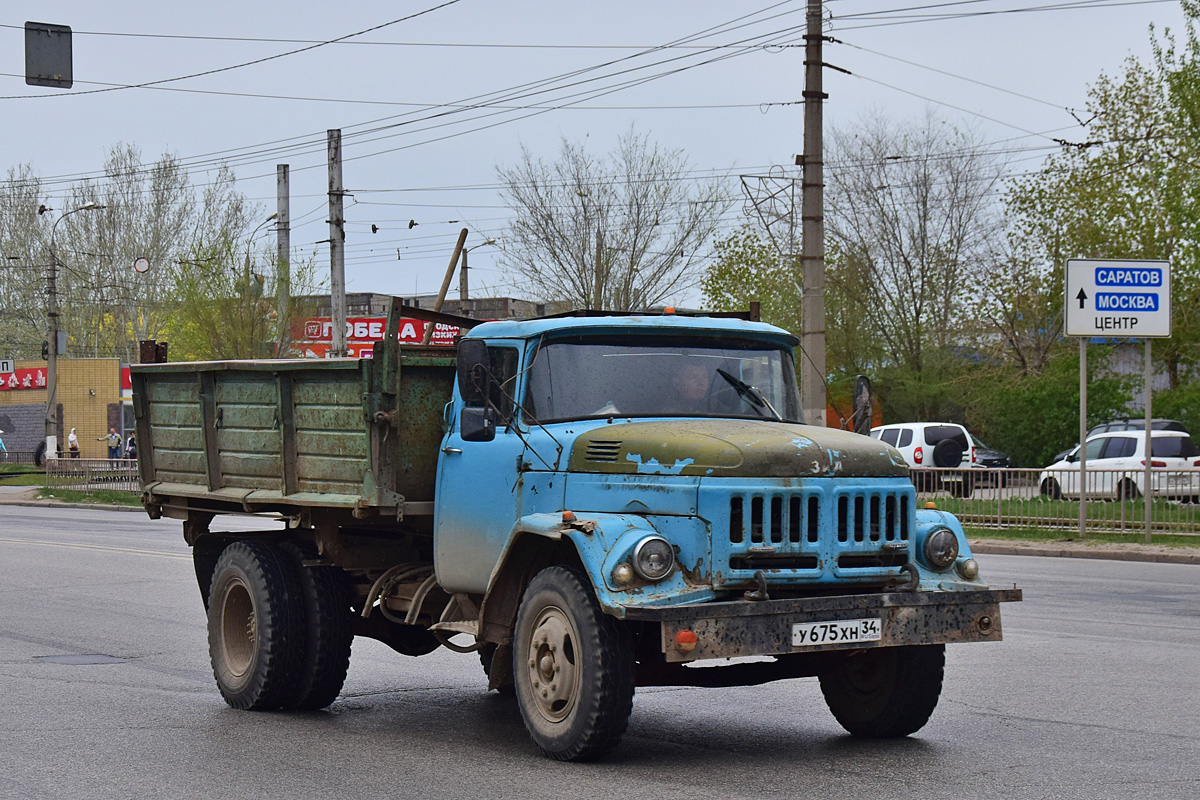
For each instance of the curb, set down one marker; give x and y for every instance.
(1050, 551)
(57, 504)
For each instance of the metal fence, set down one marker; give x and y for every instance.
(1115, 500)
(92, 474)
(18, 457)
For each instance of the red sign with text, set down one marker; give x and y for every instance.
(363, 332)
(24, 379)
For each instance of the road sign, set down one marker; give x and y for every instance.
(1121, 299)
(7, 366)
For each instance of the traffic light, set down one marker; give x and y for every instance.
(45, 351)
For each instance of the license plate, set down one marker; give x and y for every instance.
(838, 631)
(1179, 480)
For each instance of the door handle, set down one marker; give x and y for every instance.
(448, 450)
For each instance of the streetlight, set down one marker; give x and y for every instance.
(52, 319)
(246, 271)
(462, 275)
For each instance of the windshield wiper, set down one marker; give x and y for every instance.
(751, 393)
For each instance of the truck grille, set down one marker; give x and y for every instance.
(819, 533)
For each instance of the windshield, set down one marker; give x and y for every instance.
(588, 376)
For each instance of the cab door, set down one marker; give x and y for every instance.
(477, 496)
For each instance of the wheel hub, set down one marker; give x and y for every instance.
(239, 629)
(553, 670)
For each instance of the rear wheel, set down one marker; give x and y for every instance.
(1127, 490)
(888, 692)
(326, 632)
(573, 667)
(254, 627)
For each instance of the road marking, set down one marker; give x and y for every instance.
(106, 548)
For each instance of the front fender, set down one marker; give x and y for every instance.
(604, 540)
(928, 520)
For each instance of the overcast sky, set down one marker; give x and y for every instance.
(1011, 68)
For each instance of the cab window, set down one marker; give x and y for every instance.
(890, 436)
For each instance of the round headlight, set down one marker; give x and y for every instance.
(941, 548)
(653, 558)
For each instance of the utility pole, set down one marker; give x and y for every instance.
(283, 250)
(462, 284)
(337, 245)
(812, 254)
(51, 429)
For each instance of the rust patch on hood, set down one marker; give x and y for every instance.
(733, 448)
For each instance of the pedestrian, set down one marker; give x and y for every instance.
(114, 443)
(131, 448)
(3, 449)
(73, 443)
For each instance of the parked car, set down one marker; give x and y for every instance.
(989, 458)
(1127, 424)
(1173, 460)
(933, 444)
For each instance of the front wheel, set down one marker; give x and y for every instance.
(1051, 489)
(886, 693)
(573, 667)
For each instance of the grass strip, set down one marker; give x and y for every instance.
(99, 497)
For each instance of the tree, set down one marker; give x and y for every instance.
(910, 208)
(1129, 190)
(620, 233)
(23, 262)
(1033, 417)
(152, 212)
(226, 301)
(746, 268)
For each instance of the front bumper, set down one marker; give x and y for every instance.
(760, 628)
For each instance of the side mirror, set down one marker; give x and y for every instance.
(476, 424)
(1073, 456)
(473, 366)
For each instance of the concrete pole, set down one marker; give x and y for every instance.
(283, 269)
(51, 431)
(337, 245)
(812, 256)
(462, 283)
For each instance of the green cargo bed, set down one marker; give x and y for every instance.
(357, 434)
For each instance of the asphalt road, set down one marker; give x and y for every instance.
(1095, 693)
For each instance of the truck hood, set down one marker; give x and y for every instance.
(733, 448)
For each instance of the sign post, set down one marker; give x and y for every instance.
(1122, 299)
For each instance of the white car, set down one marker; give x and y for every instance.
(933, 444)
(1119, 461)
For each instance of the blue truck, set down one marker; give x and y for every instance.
(588, 502)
